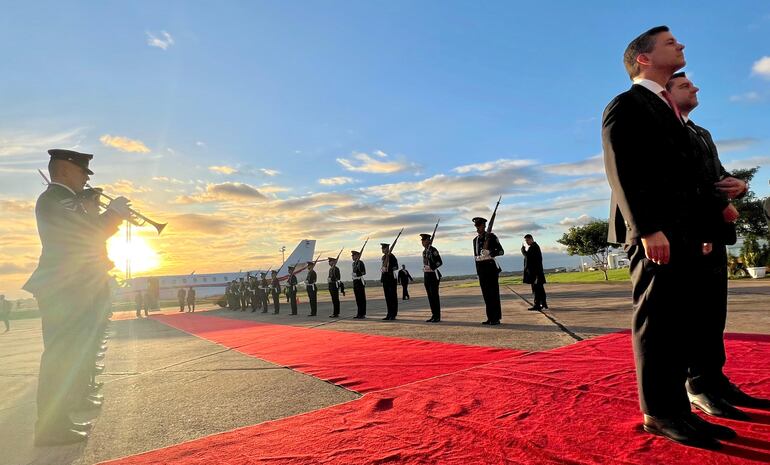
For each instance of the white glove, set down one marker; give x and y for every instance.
(120, 205)
(384, 270)
(426, 269)
(484, 253)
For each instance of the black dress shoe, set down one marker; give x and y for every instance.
(437, 320)
(494, 323)
(733, 395)
(98, 397)
(678, 430)
(535, 308)
(387, 318)
(88, 404)
(485, 322)
(430, 320)
(334, 316)
(714, 430)
(84, 427)
(59, 437)
(545, 307)
(715, 406)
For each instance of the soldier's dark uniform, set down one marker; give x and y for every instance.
(334, 279)
(389, 283)
(359, 284)
(291, 290)
(312, 290)
(275, 286)
(488, 271)
(431, 262)
(263, 291)
(244, 294)
(69, 285)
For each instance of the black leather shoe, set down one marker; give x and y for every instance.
(535, 308)
(59, 437)
(98, 397)
(485, 322)
(88, 404)
(715, 406)
(494, 323)
(387, 318)
(678, 430)
(84, 427)
(437, 320)
(430, 320)
(334, 316)
(545, 307)
(276, 313)
(713, 430)
(359, 317)
(733, 395)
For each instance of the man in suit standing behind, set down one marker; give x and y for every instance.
(708, 387)
(404, 277)
(654, 211)
(533, 271)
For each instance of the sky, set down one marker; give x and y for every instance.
(248, 126)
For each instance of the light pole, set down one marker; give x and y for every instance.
(283, 254)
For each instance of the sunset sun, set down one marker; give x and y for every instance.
(143, 257)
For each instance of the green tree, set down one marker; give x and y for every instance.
(751, 222)
(589, 241)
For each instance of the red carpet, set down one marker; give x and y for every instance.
(573, 405)
(359, 362)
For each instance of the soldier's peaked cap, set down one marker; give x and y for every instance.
(332, 258)
(425, 236)
(355, 252)
(80, 159)
(310, 263)
(384, 245)
(479, 220)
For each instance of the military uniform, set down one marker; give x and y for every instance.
(191, 300)
(312, 291)
(359, 284)
(291, 290)
(181, 297)
(334, 279)
(275, 287)
(389, 284)
(431, 262)
(263, 291)
(486, 247)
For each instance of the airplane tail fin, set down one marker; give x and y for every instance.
(302, 254)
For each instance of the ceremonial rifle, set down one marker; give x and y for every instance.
(361, 252)
(390, 250)
(432, 236)
(491, 224)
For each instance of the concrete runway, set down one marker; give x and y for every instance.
(163, 386)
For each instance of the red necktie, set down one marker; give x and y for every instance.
(667, 96)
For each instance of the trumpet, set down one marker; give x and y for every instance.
(134, 217)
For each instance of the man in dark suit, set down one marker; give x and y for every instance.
(533, 271)
(359, 284)
(68, 285)
(486, 247)
(310, 285)
(431, 262)
(334, 280)
(708, 388)
(404, 277)
(388, 280)
(655, 211)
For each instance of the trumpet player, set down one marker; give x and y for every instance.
(67, 286)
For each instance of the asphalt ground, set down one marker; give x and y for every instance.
(163, 386)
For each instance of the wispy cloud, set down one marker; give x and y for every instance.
(589, 166)
(501, 164)
(201, 224)
(745, 163)
(200, 143)
(365, 163)
(125, 187)
(735, 145)
(579, 221)
(19, 143)
(124, 144)
(336, 181)
(761, 67)
(223, 169)
(223, 192)
(269, 172)
(748, 97)
(163, 42)
(167, 179)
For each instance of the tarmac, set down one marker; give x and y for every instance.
(164, 386)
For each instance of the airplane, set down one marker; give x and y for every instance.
(213, 284)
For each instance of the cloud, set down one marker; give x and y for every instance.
(200, 143)
(13, 268)
(223, 192)
(589, 166)
(20, 143)
(224, 169)
(269, 172)
(746, 163)
(124, 144)
(124, 187)
(202, 224)
(167, 179)
(501, 164)
(735, 145)
(579, 221)
(17, 206)
(761, 67)
(336, 181)
(163, 42)
(365, 163)
(748, 97)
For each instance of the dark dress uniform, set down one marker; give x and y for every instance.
(431, 262)
(181, 297)
(334, 289)
(404, 277)
(243, 294)
(254, 288)
(67, 287)
(488, 272)
(534, 274)
(291, 291)
(275, 286)
(389, 284)
(359, 287)
(312, 290)
(263, 290)
(191, 300)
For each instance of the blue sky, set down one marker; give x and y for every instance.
(253, 124)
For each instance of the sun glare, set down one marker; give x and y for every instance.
(142, 256)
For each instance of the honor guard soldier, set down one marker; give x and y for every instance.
(431, 262)
(334, 286)
(65, 285)
(486, 247)
(275, 287)
(263, 290)
(182, 298)
(359, 284)
(253, 291)
(312, 291)
(291, 290)
(191, 299)
(389, 283)
(244, 288)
